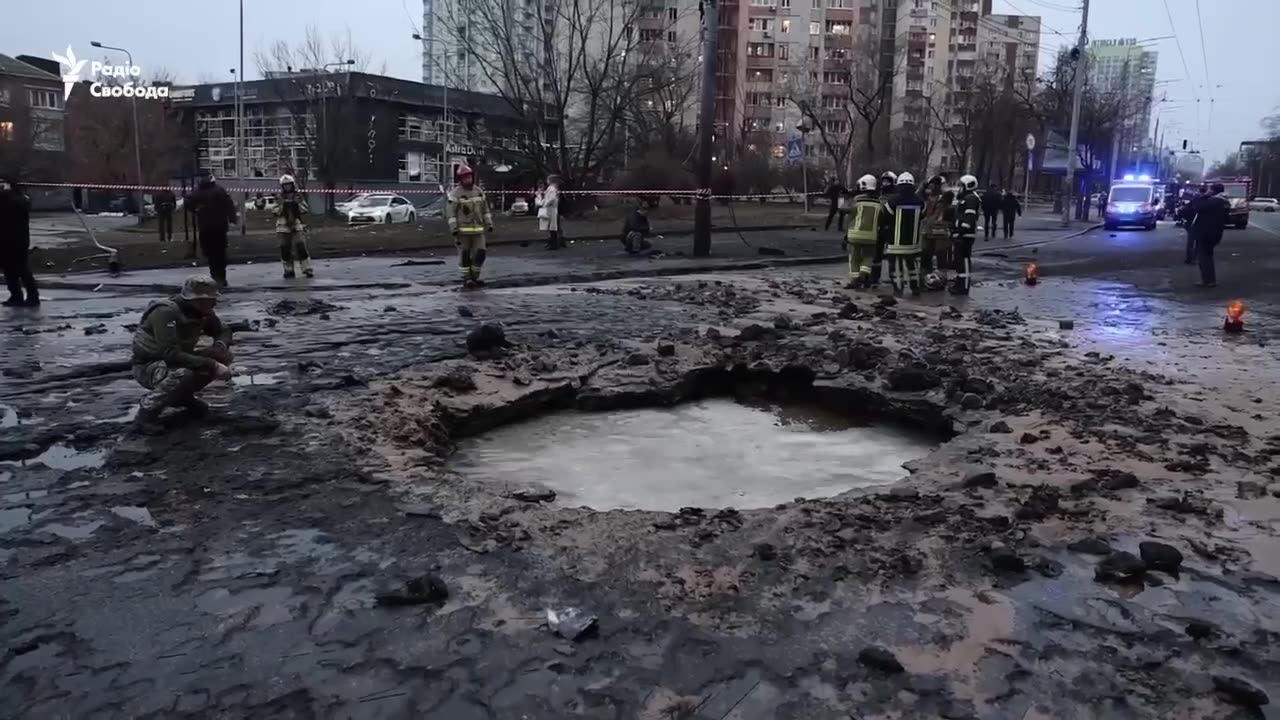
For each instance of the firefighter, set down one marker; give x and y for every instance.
(937, 233)
(887, 180)
(863, 234)
(900, 234)
(968, 205)
(292, 231)
(469, 219)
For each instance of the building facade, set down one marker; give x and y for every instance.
(32, 122)
(345, 128)
(1124, 66)
(945, 48)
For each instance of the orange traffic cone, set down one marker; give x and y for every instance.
(1032, 275)
(1234, 321)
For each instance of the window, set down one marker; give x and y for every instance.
(831, 102)
(780, 101)
(761, 76)
(929, 54)
(784, 52)
(671, 36)
(813, 53)
(44, 99)
(785, 4)
(759, 23)
(838, 127)
(840, 4)
(647, 35)
(6, 130)
(786, 26)
(833, 77)
(763, 3)
(4, 97)
(778, 152)
(672, 14)
(759, 98)
(815, 28)
(764, 50)
(837, 27)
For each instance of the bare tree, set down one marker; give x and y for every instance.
(317, 100)
(27, 137)
(844, 97)
(101, 131)
(573, 71)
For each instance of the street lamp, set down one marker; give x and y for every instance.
(133, 99)
(804, 161)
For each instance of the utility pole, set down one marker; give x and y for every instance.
(240, 118)
(1082, 67)
(706, 126)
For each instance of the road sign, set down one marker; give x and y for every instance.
(795, 150)
(1031, 141)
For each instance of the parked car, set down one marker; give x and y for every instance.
(345, 206)
(1262, 204)
(266, 202)
(520, 206)
(381, 208)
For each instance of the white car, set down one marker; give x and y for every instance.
(520, 206)
(266, 202)
(1264, 204)
(380, 208)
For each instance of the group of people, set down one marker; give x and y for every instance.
(997, 205)
(916, 235)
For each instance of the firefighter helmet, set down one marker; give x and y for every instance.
(937, 180)
(906, 178)
(968, 182)
(867, 183)
(889, 175)
(464, 171)
(933, 281)
(286, 180)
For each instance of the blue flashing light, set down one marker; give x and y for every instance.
(1144, 178)
(1128, 177)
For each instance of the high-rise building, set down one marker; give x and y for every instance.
(1126, 67)
(944, 48)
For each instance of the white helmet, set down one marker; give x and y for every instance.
(867, 182)
(287, 180)
(968, 182)
(933, 281)
(906, 178)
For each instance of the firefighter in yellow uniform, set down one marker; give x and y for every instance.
(861, 238)
(469, 219)
(900, 228)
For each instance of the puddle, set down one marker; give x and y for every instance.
(14, 518)
(715, 453)
(8, 417)
(271, 605)
(20, 496)
(73, 532)
(63, 457)
(139, 515)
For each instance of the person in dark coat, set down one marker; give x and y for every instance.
(1208, 216)
(833, 192)
(1010, 209)
(165, 203)
(991, 204)
(215, 214)
(635, 230)
(15, 246)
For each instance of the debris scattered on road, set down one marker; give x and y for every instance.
(302, 307)
(533, 495)
(489, 337)
(98, 329)
(880, 659)
(571, 623)
(424, 590)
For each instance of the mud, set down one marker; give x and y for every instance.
(275, 524)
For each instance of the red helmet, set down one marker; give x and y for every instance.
(463, 171)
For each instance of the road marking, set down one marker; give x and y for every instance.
(1263, 229)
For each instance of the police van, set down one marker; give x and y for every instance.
(1131, 201)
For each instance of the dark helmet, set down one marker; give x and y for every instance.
(937, 181)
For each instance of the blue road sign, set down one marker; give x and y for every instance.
(795, 150)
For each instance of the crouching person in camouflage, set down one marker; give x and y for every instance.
(165, 359)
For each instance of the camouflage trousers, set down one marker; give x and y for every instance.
(168, 386)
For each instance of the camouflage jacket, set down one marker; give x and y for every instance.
(169, 331)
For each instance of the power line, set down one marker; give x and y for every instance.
(1204, 55)
(1043, 24)
(1177, 42)
(1052, 6)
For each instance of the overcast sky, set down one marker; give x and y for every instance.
(195, 40)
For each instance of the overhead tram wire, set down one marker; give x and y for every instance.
(1208, 83)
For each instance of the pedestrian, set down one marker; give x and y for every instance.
(964, 233)
(991, 203)
(1208, 215)
(469, 219)
(863, 235)
(888, 180)
(1187, 218)
(165, 203)
(538, 196)
(1010, 209)
(900, 229)
(549, 213)
(165, 359)
(635, 230)
(290, 210)
(1102, 203)
(937, 233)
(15, 246)
(834, 191)
(215, 214)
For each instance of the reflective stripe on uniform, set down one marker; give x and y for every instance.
(863, 225)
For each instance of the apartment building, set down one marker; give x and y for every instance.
(1124, 65)
(944, 47)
